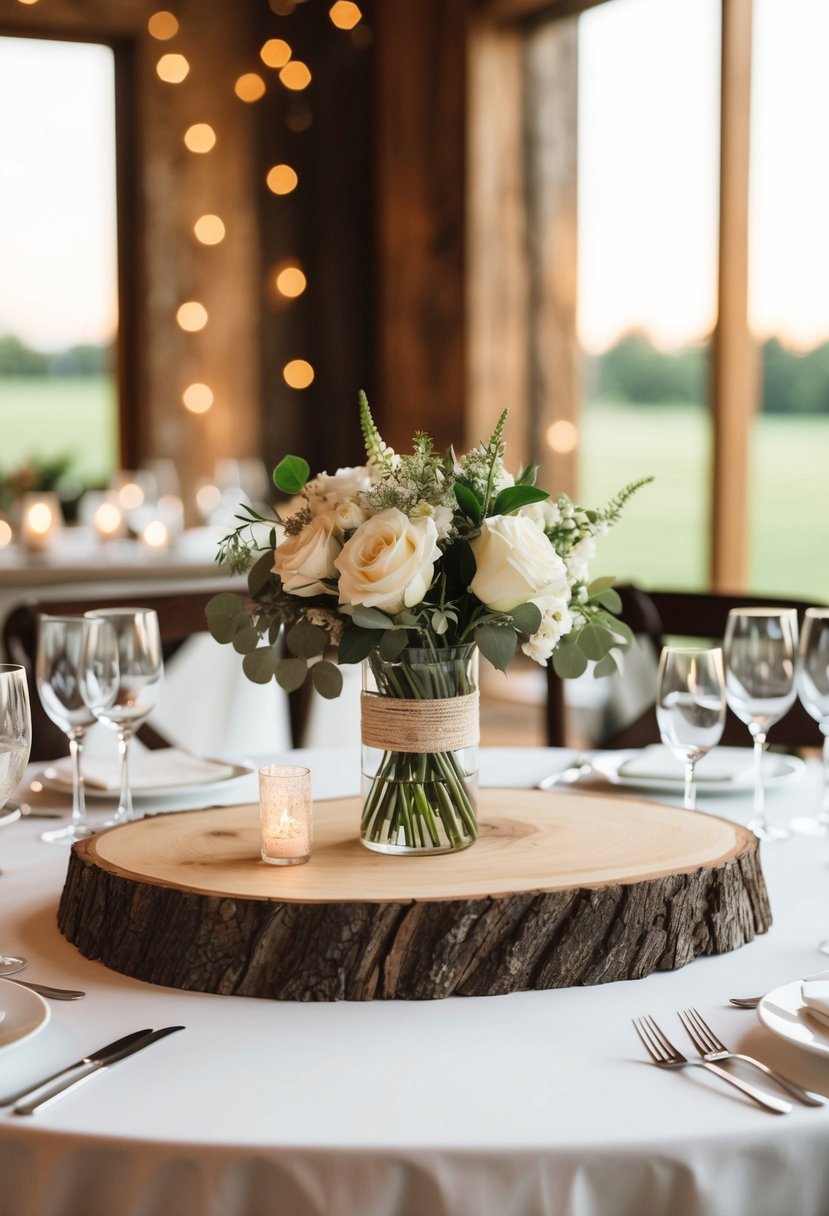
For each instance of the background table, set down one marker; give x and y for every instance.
(521, 1105)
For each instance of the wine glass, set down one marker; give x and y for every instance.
(121, 675)
(15, 739)
(812, 684)
(760, 650)
(690, 706)
(59, 648)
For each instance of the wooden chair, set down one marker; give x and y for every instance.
(180, 618)
(658, 617)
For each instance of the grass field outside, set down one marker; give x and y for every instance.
(662, 538)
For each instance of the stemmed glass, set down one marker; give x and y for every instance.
(812, 684)
(122, 670)
(760, 649)
(59, 648)
(15, 739)
(690, 706)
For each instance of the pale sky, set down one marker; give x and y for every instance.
(57, 192)
(648, 150)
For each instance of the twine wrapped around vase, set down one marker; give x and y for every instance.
(420, 726)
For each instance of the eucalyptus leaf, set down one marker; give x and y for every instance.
(260, 665)
(406, 618)
(224, 615)
(291, 474)
(527, 618)
(357, 644)
(527, 475)
(606, 666)
(370, 618)
(601, 584)
(440, 622)
(609, 599)
(513, 497)
(393, 643)
(291, 673)
(260, 574)
(246, 639)
(568, 660)
(306, 640)
(594, 641)
(468, 503)
(497, 643)
(328, 679)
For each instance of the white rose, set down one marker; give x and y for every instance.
(516, 563)
(349, 516)
(389, 562)
(326, 492)
(555, 622)
(303, 560)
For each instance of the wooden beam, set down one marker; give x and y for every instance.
(734, 381)
(524, 10)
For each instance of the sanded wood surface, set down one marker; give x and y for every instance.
(560, 889)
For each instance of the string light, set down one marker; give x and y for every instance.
(200, 137)
(298, 373)
(295, 75)
(192, 316)
(5, 534)
(282, 179)
(197, 398)
(562, 436)
(209, 229)
(172, 68)
(275, 53)
(291, 282)
(250, 87)
(344, 14)
(163, 26)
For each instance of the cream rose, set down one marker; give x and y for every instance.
(303, 560)
(516, 563)
(327, 491)
(389, 562)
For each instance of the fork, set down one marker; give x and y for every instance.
(712, 1049)
(663, 1053)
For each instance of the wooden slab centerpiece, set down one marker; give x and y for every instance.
(560, 890)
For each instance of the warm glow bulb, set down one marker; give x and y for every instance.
(197, 398)
(192, 316)
(5, 534)
(163, 25)
(344, 14)
(291, 282)
(275, 53)
(108, 519)
(295, 75)
(28, 1)
(209, 229)
(131, 496)
(200, 137)
(40, 518)
(562, 436)
(249, 87)
(282, 179)
(208, 498)
(298, 373)
(155, 535)
(172, 68)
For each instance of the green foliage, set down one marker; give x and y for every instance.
(291, 474)
(513, 497)
(498, 643)
(635, 370)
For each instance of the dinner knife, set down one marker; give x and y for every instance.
(95, 1057)
(46, 1096)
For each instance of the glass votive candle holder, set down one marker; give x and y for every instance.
(285, 814)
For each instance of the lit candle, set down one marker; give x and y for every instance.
(41, 521)
(155, 535)
(6, 534)
(108, 521)
(285, 814)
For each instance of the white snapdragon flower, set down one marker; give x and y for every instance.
(556, 621)
(579, 558)
(546, 513)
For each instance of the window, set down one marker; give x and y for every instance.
(58, 290)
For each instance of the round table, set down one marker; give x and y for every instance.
(527, 1104)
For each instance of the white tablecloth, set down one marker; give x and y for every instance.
(523, 1105)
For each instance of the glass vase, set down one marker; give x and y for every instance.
(420, 731)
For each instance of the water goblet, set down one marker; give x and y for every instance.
(690, 706)
(122, 671)
(58, 671)
(760, 648)
(812, 684)
(15, 731)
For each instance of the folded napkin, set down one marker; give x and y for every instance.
(160, 769)
(658, 762)
(815, 995)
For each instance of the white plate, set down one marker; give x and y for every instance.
(25, 1013)
(9, 815)
(784, 1014)
(54, 780)
(787, 769)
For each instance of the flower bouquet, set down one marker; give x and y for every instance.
(414, 564)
